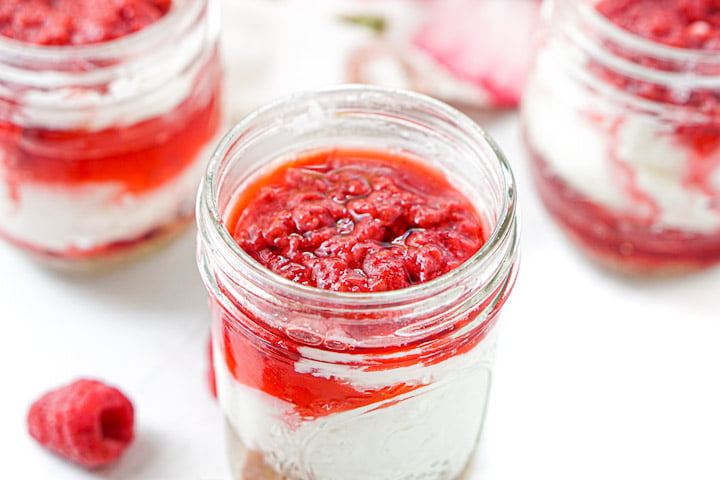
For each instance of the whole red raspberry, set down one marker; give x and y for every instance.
(86, 422)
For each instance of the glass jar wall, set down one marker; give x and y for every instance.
(102, 145)
(319, 384)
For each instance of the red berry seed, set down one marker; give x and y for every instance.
(86, 422)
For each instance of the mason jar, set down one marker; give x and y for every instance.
(623, 134)
(320, 384)
(102, 146)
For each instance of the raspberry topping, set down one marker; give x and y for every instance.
(76, 22)
(86, 422)
(356, 220)
(678, 23)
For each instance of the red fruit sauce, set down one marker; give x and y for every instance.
(76, 22)
(354, 220)
(634, 241)
(140, 157)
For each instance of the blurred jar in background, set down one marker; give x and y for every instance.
(103, 127)
(622, 116)
(445, 48)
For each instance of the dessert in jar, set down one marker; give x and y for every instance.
(622, 117)
(357, 244)
(106, 109)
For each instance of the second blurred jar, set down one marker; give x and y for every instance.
(624, 131)
(102, 144)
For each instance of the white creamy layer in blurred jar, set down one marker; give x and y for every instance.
(102, 145)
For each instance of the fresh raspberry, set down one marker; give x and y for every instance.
(86, 422)
(211, 370)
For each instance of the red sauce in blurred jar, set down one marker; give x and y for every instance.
(76, 22)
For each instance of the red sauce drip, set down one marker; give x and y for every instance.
(356, 220)
(358, 210)
(77, 22)
(311, 396)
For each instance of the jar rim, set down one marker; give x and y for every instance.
(181, 14)
(505, 228)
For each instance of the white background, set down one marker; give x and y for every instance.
(597, 377)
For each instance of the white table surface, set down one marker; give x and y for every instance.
(597, 377)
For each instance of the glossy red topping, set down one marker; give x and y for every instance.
(76, 22)
(678, 23)
(356, 220)
(138, 157)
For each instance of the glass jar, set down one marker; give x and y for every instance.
(623, 133)
(102, 146)
(322, 385)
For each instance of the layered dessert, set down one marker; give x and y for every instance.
(323, 398)
(92, 170)
(621, 116)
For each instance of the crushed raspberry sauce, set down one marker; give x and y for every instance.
(356, 221)
(76, 22)
(352, 220)
(629, 239)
